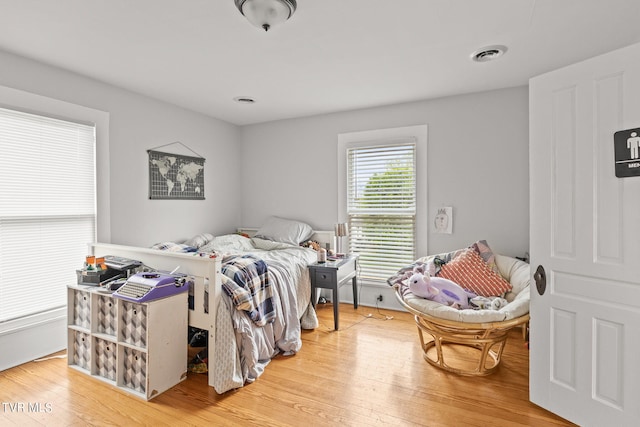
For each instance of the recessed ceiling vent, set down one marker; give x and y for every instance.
(488, 53)
(244, 100)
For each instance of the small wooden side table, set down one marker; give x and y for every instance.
(332, 275)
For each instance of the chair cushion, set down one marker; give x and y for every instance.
(513, 270)
(516, 272)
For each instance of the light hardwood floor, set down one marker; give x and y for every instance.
(370, 372)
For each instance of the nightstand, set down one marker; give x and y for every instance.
(332, 275)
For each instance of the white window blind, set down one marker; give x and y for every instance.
(47, 209)
(381, 207)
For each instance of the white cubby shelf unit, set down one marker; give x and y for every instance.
(140, 348)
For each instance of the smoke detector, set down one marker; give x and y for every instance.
(488, 53)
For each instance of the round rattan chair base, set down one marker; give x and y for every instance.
(441, 341)
(447, 351)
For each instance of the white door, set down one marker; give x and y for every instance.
(585, 232)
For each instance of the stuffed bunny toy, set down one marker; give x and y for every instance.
(440, 290)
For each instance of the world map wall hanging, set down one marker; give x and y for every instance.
(175, 176)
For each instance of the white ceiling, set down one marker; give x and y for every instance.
(332, 55)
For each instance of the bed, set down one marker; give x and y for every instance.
(238, 349)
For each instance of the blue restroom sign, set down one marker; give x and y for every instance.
(627, 152)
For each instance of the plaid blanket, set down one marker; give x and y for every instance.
(245, 279)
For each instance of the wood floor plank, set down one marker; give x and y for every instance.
(369, 372)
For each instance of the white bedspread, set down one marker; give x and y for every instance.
(256, 346)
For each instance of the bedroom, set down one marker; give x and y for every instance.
(494, 120)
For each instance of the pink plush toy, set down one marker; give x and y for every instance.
(440, 290)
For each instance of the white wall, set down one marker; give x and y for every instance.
(477, 163)
(138, 123)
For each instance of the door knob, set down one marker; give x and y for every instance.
(540, 278)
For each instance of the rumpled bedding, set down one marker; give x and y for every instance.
(245, 280)
(174, 247)
(242, 348)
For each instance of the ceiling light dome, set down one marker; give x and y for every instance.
(266, 13)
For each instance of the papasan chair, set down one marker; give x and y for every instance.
(442, 328)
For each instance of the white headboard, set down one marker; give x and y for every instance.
(320, 236)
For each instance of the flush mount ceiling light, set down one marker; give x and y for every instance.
(488, 53)
(266, 13)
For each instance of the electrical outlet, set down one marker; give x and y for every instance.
(379, 298)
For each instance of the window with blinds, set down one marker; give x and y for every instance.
(47, 209)
(381, 207)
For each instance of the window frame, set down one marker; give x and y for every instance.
(45, 333)
(382, 137)
(48, 211)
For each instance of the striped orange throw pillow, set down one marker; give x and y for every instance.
(473, 274)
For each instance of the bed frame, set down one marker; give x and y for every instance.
(199, 268)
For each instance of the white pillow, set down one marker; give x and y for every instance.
(231, 243)
(284, 230)
(199, 240)
(269, 245)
